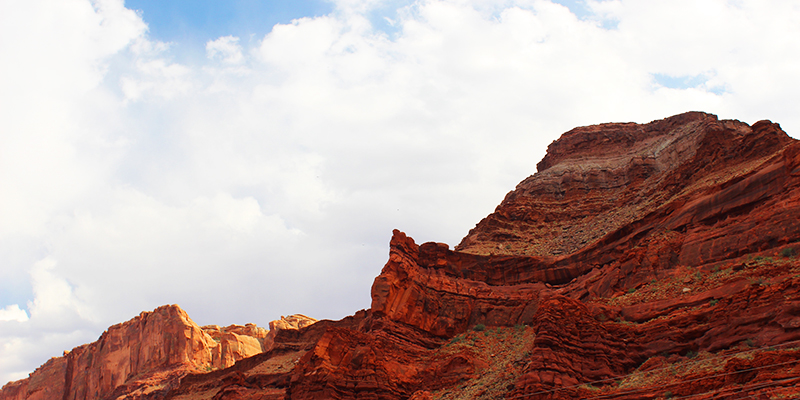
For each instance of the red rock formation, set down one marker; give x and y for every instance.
(641, 261)
(236, 342)
(138, 358)
(614, 209)
(264, 376)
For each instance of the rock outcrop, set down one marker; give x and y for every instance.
(237, 342)
(640, 262)
(634, 245)
(142, 358)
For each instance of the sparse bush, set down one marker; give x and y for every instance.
(632, 290)
(788, 252)
(750, 343)
(479, 328)
(668, 394)
(455, 340)
(713, 302)
(691, 354)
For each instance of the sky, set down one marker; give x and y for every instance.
(249, 159)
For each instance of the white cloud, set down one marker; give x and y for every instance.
(156, 78)
(54, 299)
(13, 313)
(265, 178)
(53, 55)
(225, 49)
(58, 321)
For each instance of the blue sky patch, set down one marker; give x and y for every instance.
(686, 82)
(577, 7)
(190, 23)
(380, 16)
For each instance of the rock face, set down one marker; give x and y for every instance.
(237, 342)
(141, 358)
(633, 249)
(640, 262)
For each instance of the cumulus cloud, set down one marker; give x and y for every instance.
(58, 321)
(13, 313)
(266, 178)
(54, 299)
(225, 49)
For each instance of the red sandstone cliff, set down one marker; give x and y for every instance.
(633, 249)
(144, 358)
(641, 261)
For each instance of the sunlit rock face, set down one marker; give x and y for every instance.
(143, 356)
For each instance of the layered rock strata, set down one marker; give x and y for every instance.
(641, 262)
(676, 209)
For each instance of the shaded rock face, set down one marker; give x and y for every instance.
(443, 292)
(641, 261)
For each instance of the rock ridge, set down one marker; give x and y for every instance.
(145, 357)
(641, 261)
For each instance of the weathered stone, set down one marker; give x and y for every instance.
(144, 356)
(635, 247)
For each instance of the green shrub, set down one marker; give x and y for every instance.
(713, 302)
(479, 327)
(631, 290)
(788, 252)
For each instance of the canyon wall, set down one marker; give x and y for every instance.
(641, 261)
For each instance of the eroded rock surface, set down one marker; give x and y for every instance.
(633, 246)
(140, 358)
(640, 261)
